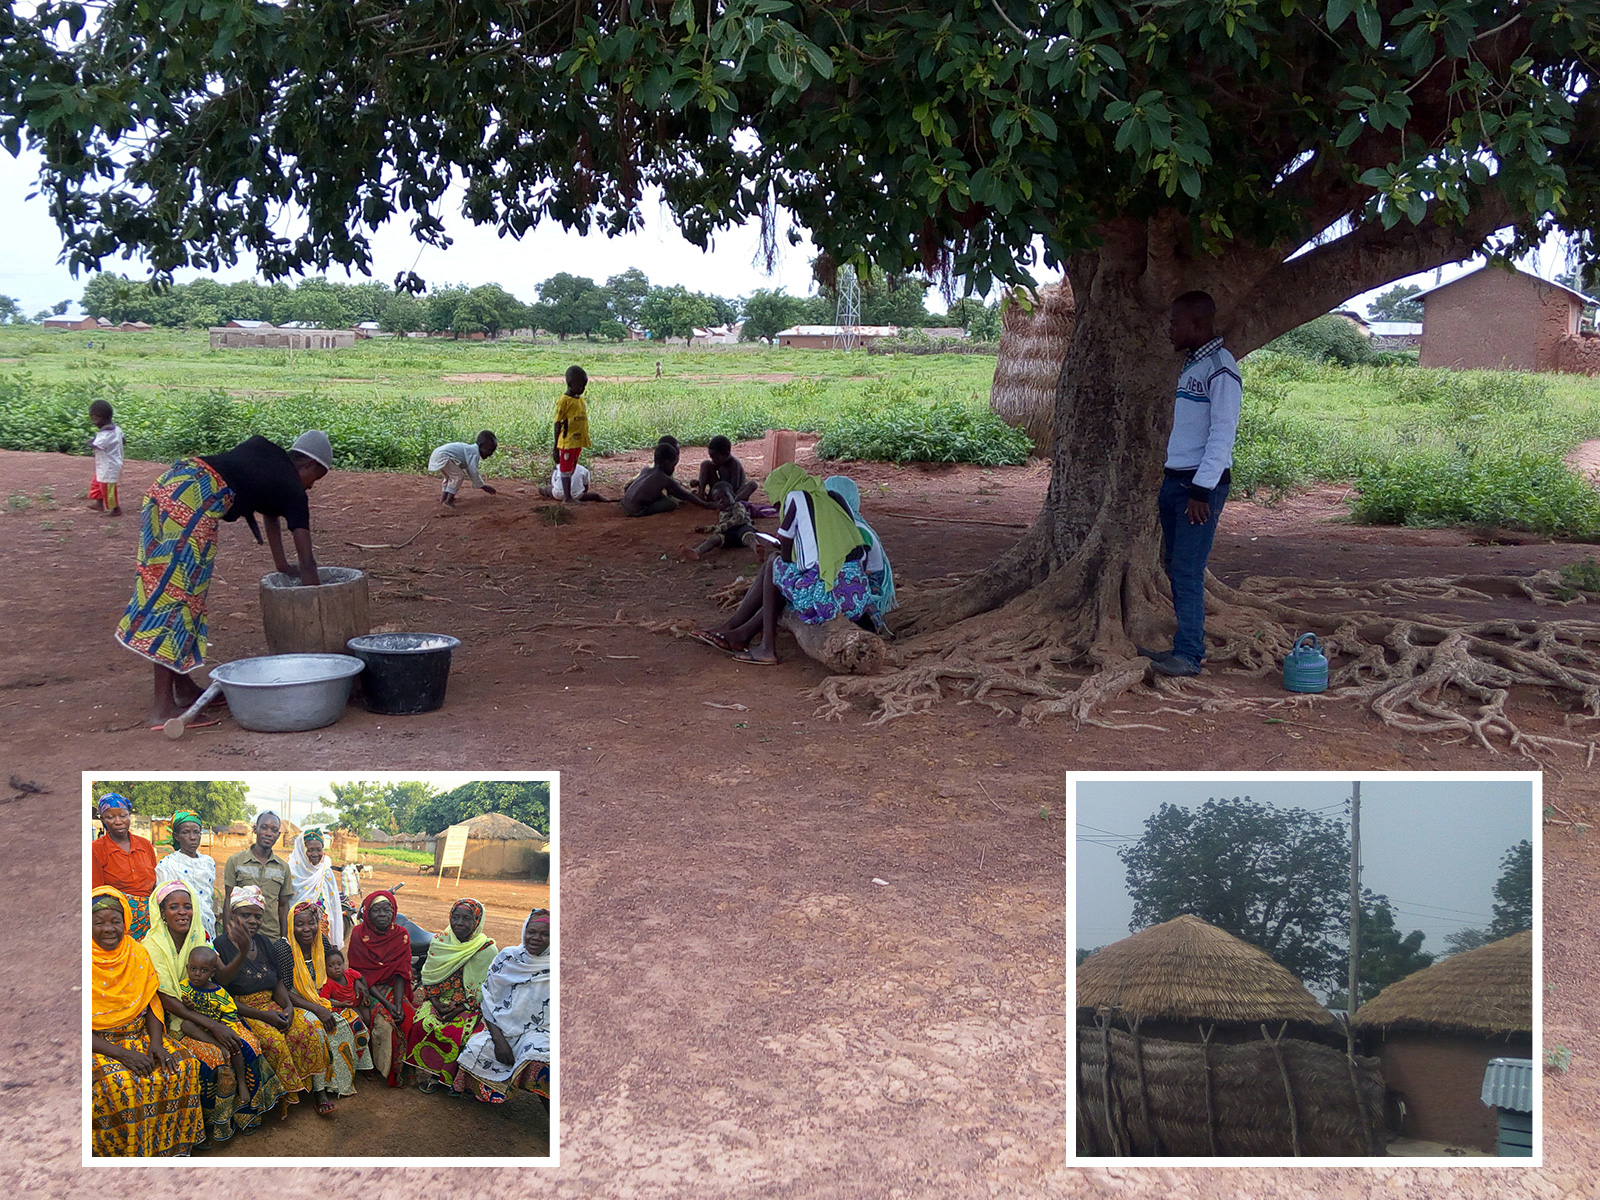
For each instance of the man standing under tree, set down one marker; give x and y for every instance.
(1205, 418)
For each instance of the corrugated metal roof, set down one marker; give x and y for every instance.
(1508, 1083)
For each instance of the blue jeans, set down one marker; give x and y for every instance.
(1184, 550)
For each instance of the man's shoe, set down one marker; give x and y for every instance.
(1176, 666)
(1157, 655)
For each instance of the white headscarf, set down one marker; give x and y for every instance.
(317, 883)
(516, 992)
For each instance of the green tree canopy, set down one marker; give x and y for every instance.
(1397, 304)
(768, 311)
(572, 305)
(11, 311)
(1387, 955)
(528, 802)
(625, 293)
(1278, 878)
(364, 806)
(1513, 892)
(217, 802)
(675, 311)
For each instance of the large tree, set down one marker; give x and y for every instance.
(1283, 157)
(1387, 955)
(218, 802)
(1278, 878)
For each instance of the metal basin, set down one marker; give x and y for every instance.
(284, 692)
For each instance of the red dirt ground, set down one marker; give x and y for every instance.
(745, 1010)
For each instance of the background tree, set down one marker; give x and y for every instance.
(218, 802)
(528, 802)
(406, 801)
(980, 320)
(1387, 955)
(1278, 878)
(1513, 892)
(1466, 939)
(1396, 304)
(439, 309)
(768, 311)
(572, 305)
(11, 311)
(1083, 954)
(364, 806)
(1145, 150)
(403, 314)
(675, 312)
(625, 293)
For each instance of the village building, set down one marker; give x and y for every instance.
(500, 847)
(1437, 1030)
(1191, 1041)
(833, 337)
(717, 335)
(1395, 335)
(1496, 319)
(76, 323)
(281, 337)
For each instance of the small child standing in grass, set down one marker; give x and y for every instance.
(571, 431)
(212, 1001)
(107, 447)
(462, 460)
(733, 529)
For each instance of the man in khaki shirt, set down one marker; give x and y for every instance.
(258, 865)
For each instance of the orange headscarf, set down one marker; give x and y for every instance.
(125, 979)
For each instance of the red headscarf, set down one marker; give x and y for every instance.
(381, 957)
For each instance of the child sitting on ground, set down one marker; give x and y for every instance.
(580, 486)
(721, 465)
(732, 530)
(211, 1000)
(346, 988)
(462, 460)
(107, 447)
(654, 490)
(571, 432)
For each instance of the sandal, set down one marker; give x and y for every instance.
(427, 1086)
(710, 637)
(745, 656)
(325, 1108)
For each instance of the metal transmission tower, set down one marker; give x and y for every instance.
(848, 316)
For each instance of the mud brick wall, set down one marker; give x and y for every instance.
(1494, 320)
(1579, 354)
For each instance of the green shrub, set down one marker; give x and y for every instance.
(1327, 339)
(901, 429)
(1517, 488)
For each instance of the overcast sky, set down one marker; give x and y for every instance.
(1433, 848)
(31, 274)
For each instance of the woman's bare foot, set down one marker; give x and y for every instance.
(689, 553)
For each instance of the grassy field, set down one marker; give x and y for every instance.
(414, 858)
(1423, 447)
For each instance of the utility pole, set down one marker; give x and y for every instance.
(1355, 899)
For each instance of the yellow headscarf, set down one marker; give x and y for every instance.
(171, 962)
(308, 981)
(837, 534)
(124, 979)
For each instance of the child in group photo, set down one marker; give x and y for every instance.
(211, 1000)
(346, 988)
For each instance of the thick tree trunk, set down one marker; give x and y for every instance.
(1091, 560)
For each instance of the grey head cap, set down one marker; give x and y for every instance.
(314, 444)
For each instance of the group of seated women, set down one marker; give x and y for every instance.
(196, 1040)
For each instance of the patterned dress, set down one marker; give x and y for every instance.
(347, 1044)
(298, 1054)
(166, 619)
(219, 1087)
(436, 1043)
(155, 1115)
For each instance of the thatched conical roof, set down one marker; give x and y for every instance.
(499, 827)
(1487, 991)
(1033, 345)
(1187, 970)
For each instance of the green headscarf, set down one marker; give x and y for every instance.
(837, 534)
(447, 955)
(178, 818)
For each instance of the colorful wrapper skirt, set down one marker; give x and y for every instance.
(813, 601)
(156, 1115)
(219, 1087)
(531, 1076)
(166, 619)
(348, 1052)
(298, 1054)
(435, 1044)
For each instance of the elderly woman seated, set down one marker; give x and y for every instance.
(512, 1050)
(451, 996)
(144, 1089)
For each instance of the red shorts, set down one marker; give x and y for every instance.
(567, 459)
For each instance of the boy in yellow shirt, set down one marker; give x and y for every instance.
(571, 429)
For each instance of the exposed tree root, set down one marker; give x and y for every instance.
(1423, 675)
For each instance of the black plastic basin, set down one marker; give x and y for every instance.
(405, 673)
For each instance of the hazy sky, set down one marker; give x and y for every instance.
(308, 791)
(1433, 848)
(30, 272)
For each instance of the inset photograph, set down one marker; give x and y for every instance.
(322, 965)
(1221, 1012)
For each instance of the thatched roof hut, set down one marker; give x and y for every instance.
(1186, 970)
(1487, 992)
(1194, 1042)
(1436, 1032)
(1033, 344)
(498, 847)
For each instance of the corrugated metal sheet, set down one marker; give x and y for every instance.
(1508, 1083)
